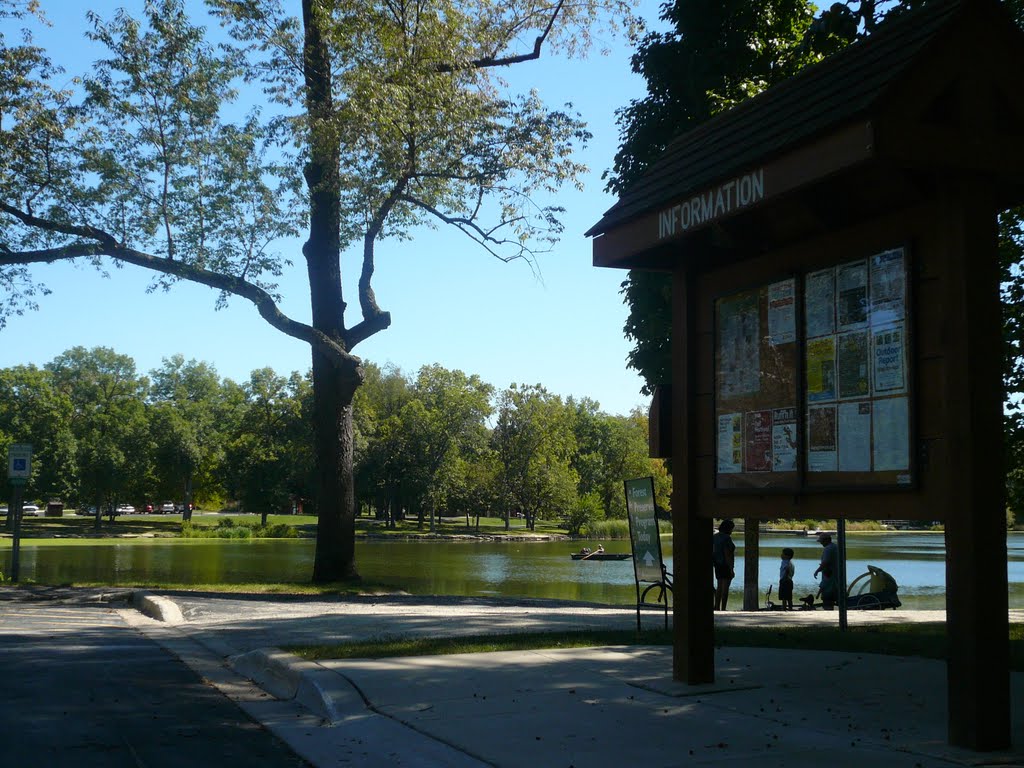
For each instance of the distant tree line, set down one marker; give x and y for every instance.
(439, 443)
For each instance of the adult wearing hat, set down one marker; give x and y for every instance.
(829, 570)
(723, 558)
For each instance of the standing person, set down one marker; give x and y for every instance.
(829, 570)
(786, 572)
(723, 557)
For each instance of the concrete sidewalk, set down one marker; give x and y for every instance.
(569, 707)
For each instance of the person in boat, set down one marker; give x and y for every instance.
(600, 549)
(585, 551)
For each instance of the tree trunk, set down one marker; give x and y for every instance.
(335, 479)
(334, 382)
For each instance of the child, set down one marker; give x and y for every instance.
(786, 571)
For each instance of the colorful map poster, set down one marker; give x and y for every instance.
(820, 303)
(730, 443)
(852, 290)
(855, 437)
(852, 355)
(782, 312)
(821, 369)
(821, 438)
(739, 338)
(757, 450)
(784, 440)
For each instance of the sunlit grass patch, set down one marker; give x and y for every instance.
(926, 640)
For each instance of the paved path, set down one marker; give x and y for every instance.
(581, 707)
(80, 687)
(598, 707)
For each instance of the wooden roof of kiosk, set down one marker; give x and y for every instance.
(912, 138)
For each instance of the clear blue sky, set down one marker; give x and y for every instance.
(450, 302)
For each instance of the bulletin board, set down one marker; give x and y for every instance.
(756, 383)
(812, 380)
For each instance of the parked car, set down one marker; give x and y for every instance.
(167, 508)
(147, 509)
(30, 510)
(125, 509)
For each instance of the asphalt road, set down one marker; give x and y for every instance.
(79, 686)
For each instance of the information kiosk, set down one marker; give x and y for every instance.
(837, 345)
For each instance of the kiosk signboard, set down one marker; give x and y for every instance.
(643, 529)
(812, 383)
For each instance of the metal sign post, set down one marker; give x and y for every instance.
(19, 470)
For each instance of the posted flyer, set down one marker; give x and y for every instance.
(888, 287)
(821, 369)
(891, 434)
(739, 337)
(782, 312)
(821, 439)
(820, 303)
(889, 359)
(852, 355)
(784, 440)
(852, 289)
(730, 443)
(757, 452)
(855, 437)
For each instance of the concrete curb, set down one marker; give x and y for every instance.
(156, 607)
(285, 676)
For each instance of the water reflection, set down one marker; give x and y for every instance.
(514, 569)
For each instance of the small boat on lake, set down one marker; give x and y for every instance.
(601, 556)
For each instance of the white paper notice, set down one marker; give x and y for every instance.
(855, 437)
(782, 312)
(888, 288)
(891, 434)
(730, 443)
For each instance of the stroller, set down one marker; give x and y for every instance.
(873, 590)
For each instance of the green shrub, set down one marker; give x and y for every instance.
(607, 529)
(586, 510)
(227, 528)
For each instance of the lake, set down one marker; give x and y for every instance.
(510, 569)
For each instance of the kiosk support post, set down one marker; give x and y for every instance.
(976, 570)
(693, 619)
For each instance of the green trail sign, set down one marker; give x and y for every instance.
(643, 529)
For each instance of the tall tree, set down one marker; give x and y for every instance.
(534, 443)
(186, 411)
(33, 410)
(397, 121)
(715, 54)
(114, 449)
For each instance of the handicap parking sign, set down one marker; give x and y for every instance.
(19, 463)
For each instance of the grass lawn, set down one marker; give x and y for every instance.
(924, 640)
(72, 526)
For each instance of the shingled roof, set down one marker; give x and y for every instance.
(822, 97)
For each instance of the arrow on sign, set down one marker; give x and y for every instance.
(648, 559)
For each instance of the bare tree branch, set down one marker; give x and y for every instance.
(108, 246)
(483, 237)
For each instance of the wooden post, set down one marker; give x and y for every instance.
(751, 557)
(693, 654)
(976, 578)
